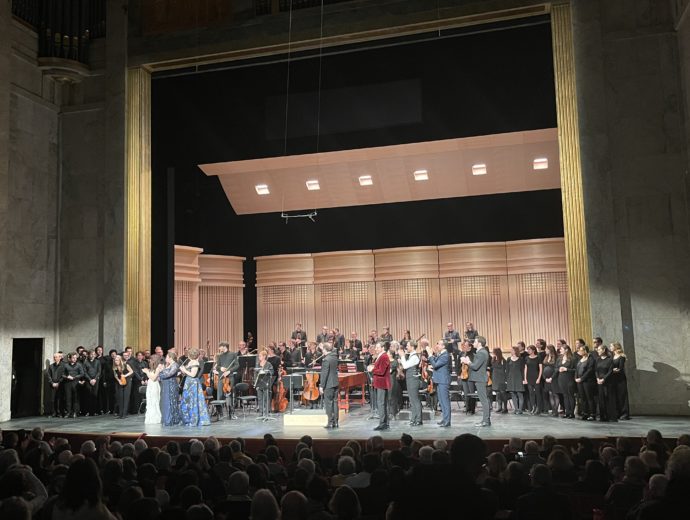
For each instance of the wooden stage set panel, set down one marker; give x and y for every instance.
(511, 291)
(208, 299)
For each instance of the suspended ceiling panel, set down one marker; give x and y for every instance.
(509, 160)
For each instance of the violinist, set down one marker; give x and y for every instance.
(312, 354)
(224, 370)
(410, 364)
(468, 387)
(439, 358)
(329, 385)
(395, 393)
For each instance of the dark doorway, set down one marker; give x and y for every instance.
(27, 377)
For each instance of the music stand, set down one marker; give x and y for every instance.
(293, 381)
(262, 381)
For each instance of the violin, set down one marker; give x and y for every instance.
(280, 402)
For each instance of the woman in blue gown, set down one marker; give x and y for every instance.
(170, 391)
(193, 404)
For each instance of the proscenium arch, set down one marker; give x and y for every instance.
(138, 153)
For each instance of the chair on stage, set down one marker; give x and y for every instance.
(242, 395)
(142, 391)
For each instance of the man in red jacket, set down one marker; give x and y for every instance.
(382, 383)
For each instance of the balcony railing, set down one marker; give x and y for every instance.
(64, 27)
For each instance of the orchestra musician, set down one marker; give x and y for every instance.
(299, 336)
(354, 342)
(243, 349)
(329, 384)
(410, 363)
(55, 382)
(380, 371)
(386, 335)
(372, 339)
(226, 366)
(323, 336)
(263, 382)
(479, 367)
(468, 387)
(347, 352)
(470, 333)
(451, 339)
(295, 352)
(439, 359)
(313, 352)
(338, 339)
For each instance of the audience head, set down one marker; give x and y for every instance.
(293, 506)
(264, 506)
(345, 504)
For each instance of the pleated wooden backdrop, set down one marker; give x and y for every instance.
(208, 299)
(511, 291)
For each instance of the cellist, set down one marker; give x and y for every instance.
(224, 371)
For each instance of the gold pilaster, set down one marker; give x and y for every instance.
(571, 172)
(138, 195)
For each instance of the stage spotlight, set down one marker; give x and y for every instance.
(262, 189)
(479, 169)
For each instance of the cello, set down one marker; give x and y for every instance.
(311, 387)
(280, 402)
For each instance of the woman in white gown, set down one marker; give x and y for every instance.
(153, 392)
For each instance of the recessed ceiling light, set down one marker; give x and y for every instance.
(313, 185)
(479, 169)
(366, 180)
(541, 163)
(421, 175)
(262, 189)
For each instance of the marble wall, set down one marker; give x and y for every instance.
(29, 179)
(634, 160)
(61, 197)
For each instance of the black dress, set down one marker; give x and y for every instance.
(620, 385)
(566, 383)
(550, 392)
(606, 390)
(515, 373)
(587, 387)
(499, 383)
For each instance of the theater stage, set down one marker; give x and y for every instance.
(356, 425)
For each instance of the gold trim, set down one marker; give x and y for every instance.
(571, 173)
(468, 20)
(138, 210)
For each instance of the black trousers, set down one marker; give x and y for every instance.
(607, 402)
(486, 403)
(71, 397)
(468, 387)
(122, 396)
(58, 399)
(106, 396)
(136, 396)
(622, 406)
(535, 397)
(330, 403)
(413, 396)
(587, 393)
(382, 405)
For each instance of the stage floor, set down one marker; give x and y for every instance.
(356, 425)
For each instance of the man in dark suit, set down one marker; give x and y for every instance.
(299, 335)
(227, 366)
(479, 375)
(451, 338)
(323, 337)
(55, 381)
(440, 362)
(355, 343)
(329, 384)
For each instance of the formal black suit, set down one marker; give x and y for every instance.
(479, 375)
(54, 374)
(329, 382)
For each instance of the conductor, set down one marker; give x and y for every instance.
(329, 384)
